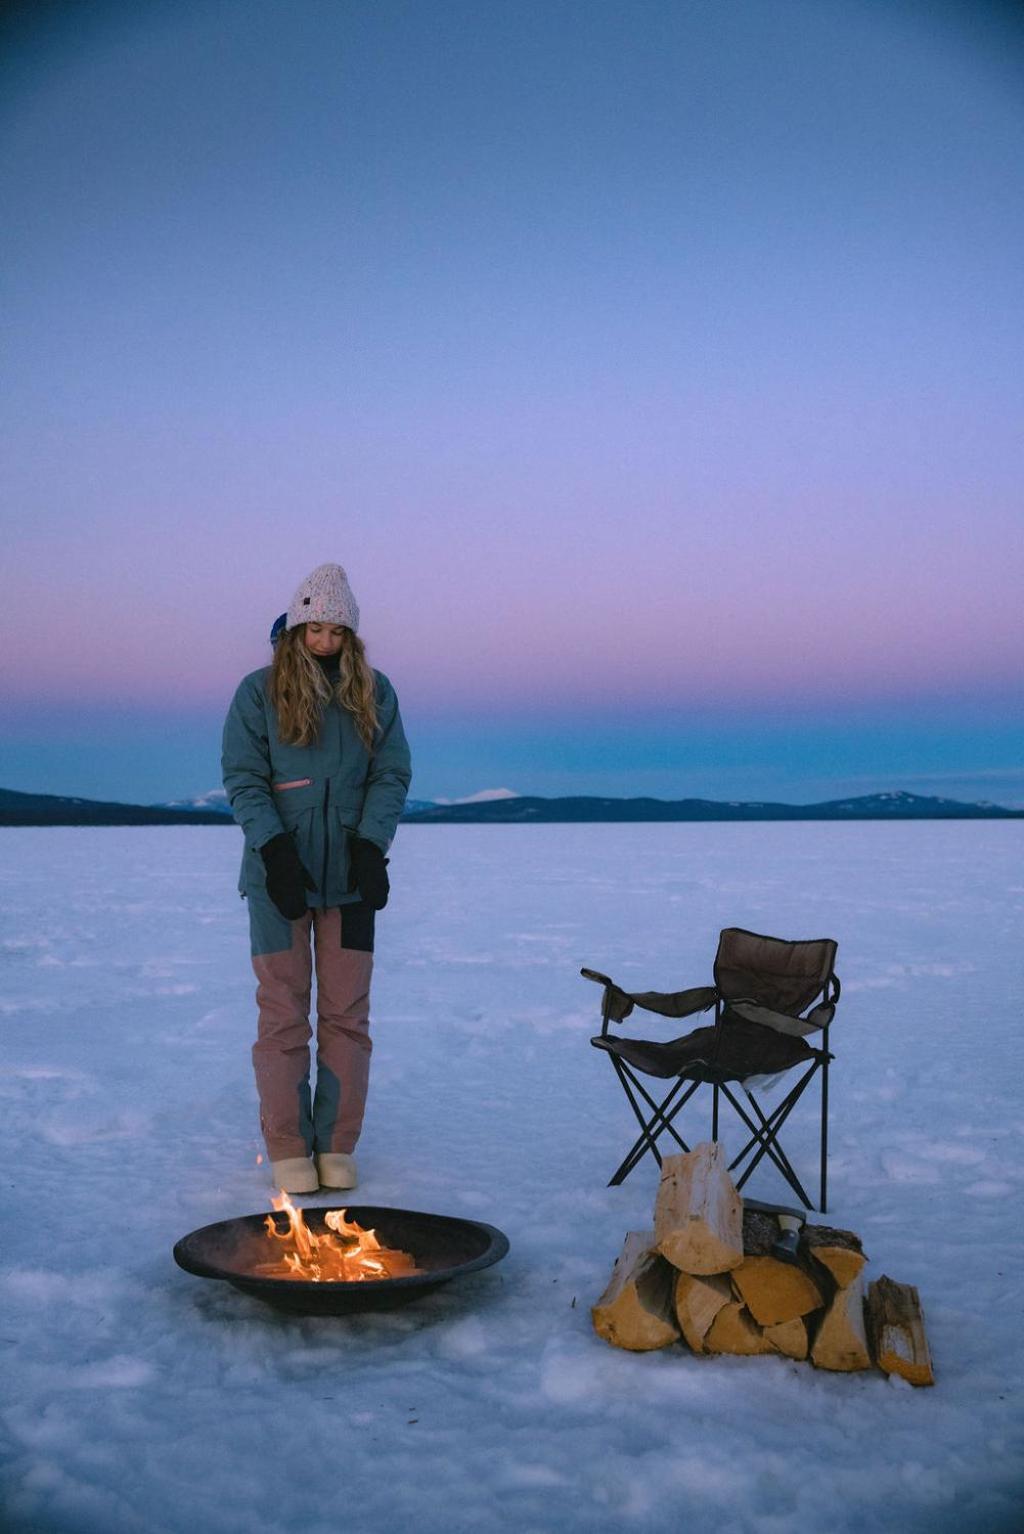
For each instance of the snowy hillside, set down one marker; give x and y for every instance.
(139, 1400)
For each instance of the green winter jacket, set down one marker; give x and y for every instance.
(324, 794)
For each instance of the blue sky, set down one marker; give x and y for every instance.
(653, 368)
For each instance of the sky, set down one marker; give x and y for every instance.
(653, 369)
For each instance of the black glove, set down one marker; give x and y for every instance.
(287, 879)
(368, 872)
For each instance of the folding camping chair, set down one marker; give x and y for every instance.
(762, 987)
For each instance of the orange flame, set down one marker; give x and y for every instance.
(348, 1255)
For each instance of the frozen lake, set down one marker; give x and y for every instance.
(139, 1400)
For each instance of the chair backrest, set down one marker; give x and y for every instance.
(784, 976)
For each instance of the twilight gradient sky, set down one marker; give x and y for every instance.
(653, 367)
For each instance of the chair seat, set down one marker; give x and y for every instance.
(730, 1053)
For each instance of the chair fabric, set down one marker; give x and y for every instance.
(763, 988)
(786, 976)
(731, 1052)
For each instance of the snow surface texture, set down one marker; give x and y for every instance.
(140, 1400)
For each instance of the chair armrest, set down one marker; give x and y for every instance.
(699, 998)
(619, 1003)
(616, 1004)
(784, 1022)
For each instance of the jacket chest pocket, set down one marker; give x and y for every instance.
(295, 797)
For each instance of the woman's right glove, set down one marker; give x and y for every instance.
(287, 879)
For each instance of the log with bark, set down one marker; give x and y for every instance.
(898, 1339)
(839, 1252)
(636, 1309)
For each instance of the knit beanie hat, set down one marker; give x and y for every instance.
(324, 597)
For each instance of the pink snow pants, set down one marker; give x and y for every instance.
(293, 1125)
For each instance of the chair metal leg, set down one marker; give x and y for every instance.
(771, 1124)
(647, 1141)
(766, 1138)
(764, 1132)
(659, 1116)
(824, 1131)
(772, 1147)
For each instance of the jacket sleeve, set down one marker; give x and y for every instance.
(245, 767)
(390, 773)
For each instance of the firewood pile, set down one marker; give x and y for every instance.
(727, 1279)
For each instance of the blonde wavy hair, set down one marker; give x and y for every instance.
(301, 693)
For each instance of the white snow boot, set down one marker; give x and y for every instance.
(296, 1174)
(336, 1170)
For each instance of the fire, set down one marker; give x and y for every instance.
(349, 1255)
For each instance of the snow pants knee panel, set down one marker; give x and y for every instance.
(270, 932)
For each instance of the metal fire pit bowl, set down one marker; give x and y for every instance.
(444, 1247)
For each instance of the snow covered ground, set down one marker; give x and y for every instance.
(138, 1398)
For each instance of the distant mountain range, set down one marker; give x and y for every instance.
(53, 810)
(18, 809)
(890, 806)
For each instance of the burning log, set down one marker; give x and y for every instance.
(698, 1215)
(839, 1252)
(772, 1291)
(348, 1254)
(897, 1331)
(635, 1311)
(698, 1301)
(841, 1342)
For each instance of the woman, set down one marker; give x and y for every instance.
(316, 769)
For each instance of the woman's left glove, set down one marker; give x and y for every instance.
(369, 872)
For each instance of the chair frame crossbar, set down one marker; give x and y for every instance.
(765, 1135)
(645, 1141)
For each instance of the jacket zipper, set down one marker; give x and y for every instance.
(323, 878)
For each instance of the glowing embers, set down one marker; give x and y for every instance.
(345, 1253)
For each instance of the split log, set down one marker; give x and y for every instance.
(698, 1216)
(897, 1331)
(698, 1301)
(734, 1331)
(841, 1341)
(635, 1311)
(772, 1291)
(838, 1251)
(775, 1291)
(789, 1337)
